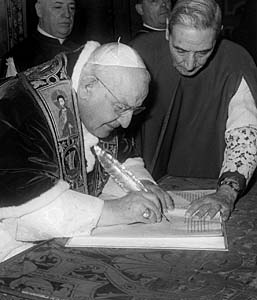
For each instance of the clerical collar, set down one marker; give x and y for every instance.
(49, 35)
(153, 28)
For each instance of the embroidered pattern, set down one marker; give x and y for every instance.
(241, 151)
(52, 90)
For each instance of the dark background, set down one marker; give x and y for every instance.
(101, 20)
(106, 20)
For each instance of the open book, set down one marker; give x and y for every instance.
(179, 233)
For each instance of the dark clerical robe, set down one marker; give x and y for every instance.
(35, 50)
(182, 131)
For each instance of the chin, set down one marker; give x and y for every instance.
(186, 73)
(102, 134)
(63, 34)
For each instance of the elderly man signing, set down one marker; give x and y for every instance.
(51, 182)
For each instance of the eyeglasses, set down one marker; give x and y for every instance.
(121, 108)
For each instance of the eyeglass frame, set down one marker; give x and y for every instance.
(126, 108)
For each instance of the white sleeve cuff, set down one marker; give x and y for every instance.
(71, 214)
(36, 203)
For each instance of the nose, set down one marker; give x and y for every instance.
(67, 11)
(190, 62)
(125, 119)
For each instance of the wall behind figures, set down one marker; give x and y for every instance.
(232, 10)
(3, 29)
(94, 21)
(12, 23)
(100, 20)
(105, 21)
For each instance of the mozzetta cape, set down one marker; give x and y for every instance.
(184, 127)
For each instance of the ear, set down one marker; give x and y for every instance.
(139, 9)
(86, 85)
(38, 9)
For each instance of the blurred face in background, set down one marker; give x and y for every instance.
(56, 17)
(154, 12)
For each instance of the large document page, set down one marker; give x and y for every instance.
(179, 233)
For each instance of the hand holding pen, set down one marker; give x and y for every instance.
(165, 199)
(161, 200)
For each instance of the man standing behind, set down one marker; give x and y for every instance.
(154, 14)
(56, 18)
(202, 116)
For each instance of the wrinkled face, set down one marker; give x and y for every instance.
(190, 48)
(102, 109)
(56, 17)
(155, 12)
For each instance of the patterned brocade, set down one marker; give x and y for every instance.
(241, 151)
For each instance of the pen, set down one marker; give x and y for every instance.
(123, 177)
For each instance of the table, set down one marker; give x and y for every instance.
(56, 272)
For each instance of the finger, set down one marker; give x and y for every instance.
(192, 210)
(169, 202)
(156, 211)
(162, 196)
(153, 198)
(213, 211)
(164, 199)
(225, 215)
(200, 214)
(163, 203)
(202, 211)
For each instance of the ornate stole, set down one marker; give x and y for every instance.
(51, 87)
(98, 177)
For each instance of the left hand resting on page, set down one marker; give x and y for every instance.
(222, 200)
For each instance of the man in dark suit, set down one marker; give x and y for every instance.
(154, 14)
(55, 24)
